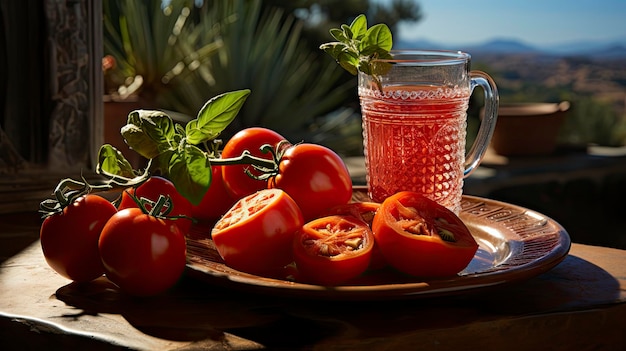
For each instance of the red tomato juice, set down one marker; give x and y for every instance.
(414, 139)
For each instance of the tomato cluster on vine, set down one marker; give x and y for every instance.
(139, 245)
(274, 206)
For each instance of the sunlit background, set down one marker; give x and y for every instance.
(544, 24)
(538, 51)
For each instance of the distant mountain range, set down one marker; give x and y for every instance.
(594, 50)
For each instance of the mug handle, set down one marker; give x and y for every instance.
(488, 122)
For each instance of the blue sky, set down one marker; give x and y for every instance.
(538, 22)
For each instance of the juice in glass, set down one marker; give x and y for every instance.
(414, 126)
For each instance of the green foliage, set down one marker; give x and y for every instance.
(175, 152)
(187, 55)
(263, 51)
(593, 122)
(357, 46)
(153, 49)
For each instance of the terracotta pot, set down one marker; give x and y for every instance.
(526, 129)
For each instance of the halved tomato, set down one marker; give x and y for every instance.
(332, 250)
(364, 211)
(420, 237)
(256, 234)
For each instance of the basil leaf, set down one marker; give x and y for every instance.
(160, 128)
(162, 162)
(149, 132)
(215, 116)
(190, 171)
(112, 162)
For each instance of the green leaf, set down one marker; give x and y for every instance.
(347, 32)
(338, 34)
(112, 162)
(215, 116)
(149, 132)
(139, 141)
(365, 67)
(378, 36)
(349, 63)
(190, 171)
(162, 161)
(359, 47)
(378, 67)
(334, 49)
(160, 128)
(359, 27)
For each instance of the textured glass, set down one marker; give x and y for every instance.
(414, 139)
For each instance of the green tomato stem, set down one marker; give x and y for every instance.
(247, 159)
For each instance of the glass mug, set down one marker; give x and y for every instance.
(414, 124)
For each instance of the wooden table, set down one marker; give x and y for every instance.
(578, 305)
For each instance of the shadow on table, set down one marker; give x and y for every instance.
(17, 232)
(574, 283)
(592, 211)
(196, 311)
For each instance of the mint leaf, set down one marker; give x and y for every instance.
(359, 27)
(338, 34)
(190, 171)
(379, 37)
(334, 49)
(350, 63)
(215, 116)
(358, 47)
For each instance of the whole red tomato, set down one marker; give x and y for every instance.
(315, 177)
(150, 190)
(142, 254)
(237, 182)
(69, 239)
(256, 234)
(215, 202)
(333, 249)
(420, 237)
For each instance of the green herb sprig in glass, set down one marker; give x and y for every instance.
(357, 47)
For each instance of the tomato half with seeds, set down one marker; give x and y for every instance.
(332, 250)
(256, 234)
(364, 211)
(422, 238)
